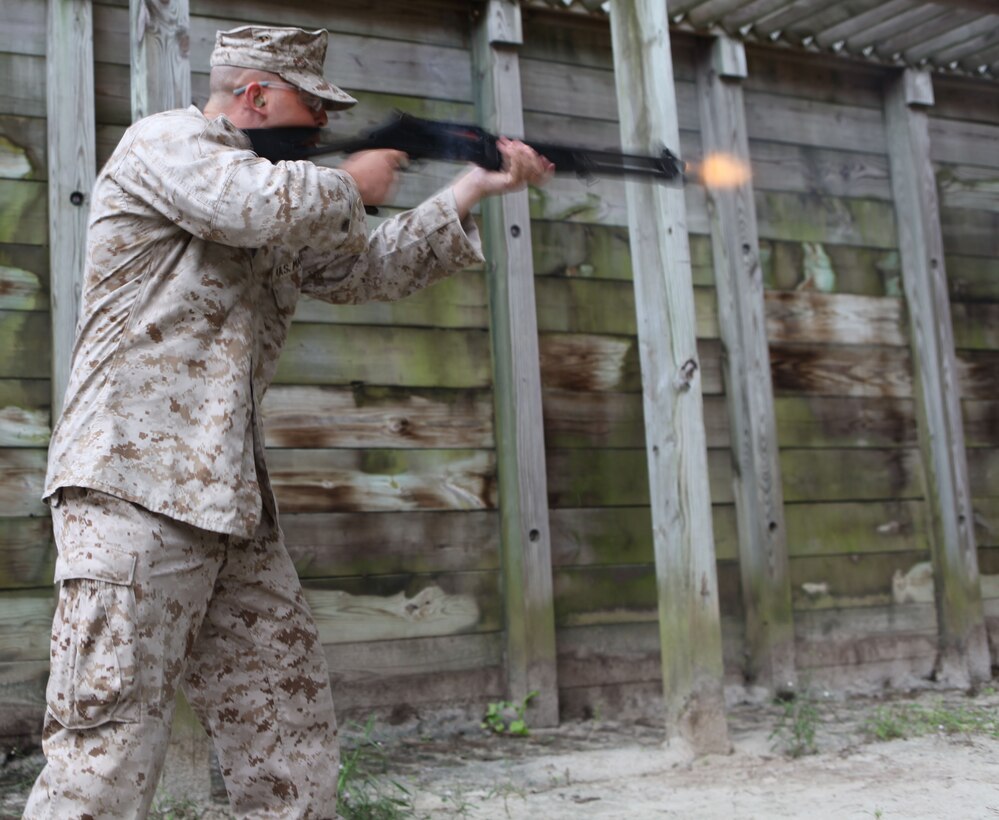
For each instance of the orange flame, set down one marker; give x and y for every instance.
(723, 171)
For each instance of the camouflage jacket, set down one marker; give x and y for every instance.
(197, 252)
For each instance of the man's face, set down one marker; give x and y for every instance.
(287, 105)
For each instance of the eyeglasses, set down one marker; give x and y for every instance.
(311, 101)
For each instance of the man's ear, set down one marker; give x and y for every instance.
(253, 98)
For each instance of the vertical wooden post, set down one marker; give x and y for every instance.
(72, 168)
(759, 497)
(160, 42)
(689, 621)
(964, 652)
(526, 544)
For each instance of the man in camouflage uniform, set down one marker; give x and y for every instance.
(172, 567)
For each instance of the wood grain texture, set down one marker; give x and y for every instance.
(742, 321)
(686, 587)
(964, 653)
(71, 159)
(520, 454)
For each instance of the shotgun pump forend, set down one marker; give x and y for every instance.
(433, 139)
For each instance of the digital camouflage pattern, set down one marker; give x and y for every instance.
(147, 604)
(197, 253)
(171, 565)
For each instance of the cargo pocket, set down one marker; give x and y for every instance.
(94, 675)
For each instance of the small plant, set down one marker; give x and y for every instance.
(365, 794)
(912, 720)
(505, 717)
(797, 724)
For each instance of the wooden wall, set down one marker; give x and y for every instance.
(26, 556)
(603, 566)
(380, 423)
(964, 133)
(842, 370)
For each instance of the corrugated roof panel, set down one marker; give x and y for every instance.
(960, 36)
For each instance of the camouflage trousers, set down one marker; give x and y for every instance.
(147, 604)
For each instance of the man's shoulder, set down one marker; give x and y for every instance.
(184, 130)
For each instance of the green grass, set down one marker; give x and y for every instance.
(797, 725)
(365, 791)
(911, 720)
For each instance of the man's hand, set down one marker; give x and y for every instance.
(375, 173)
(522, 166)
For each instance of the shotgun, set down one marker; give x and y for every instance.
(434, 139)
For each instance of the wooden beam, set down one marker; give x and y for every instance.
(964, 652)
(526, 542)
(160, 41)
(742, 323)
(687, 586)
(72, 168)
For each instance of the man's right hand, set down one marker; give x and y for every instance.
(375, 173)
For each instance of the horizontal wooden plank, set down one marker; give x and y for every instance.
(23, 30)
(335, 544)
(834, 528)
(456, 302)
(578, 250)
(812, 122)
(964, 98)
(972, 278)
(353, 61)
(819, 421)
(26, 624)
(397, 607)
(401, 675)
(833, 268)
(574, 419)
(24, 412)
(851, 474)
(970, 231)
(983, 472)
(23, 91)
(22, 476)
(968, 186)
(368, 416)
(981, 423)
(27, 552)
(383, 480)
(23, 152)
(813, 76)
(22, 289)
(810, 218)
(623, 535)
(847, 624)
(835, 318)
(24, 218)
(619, 478)
(25, 344)
(855, 580)
(976, 325)
(604, 595)
(432, 21)
(843, 371)
(779, 166)
(578, 305)
(960, 141)
(978, 373)
(602, 202)
(22, 709)
(400, 356)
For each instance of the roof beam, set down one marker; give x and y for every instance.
(908, 38)
(953, 36)
(861, 22)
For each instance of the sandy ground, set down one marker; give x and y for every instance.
(600, 769)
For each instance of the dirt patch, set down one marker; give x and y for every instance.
(944, 765)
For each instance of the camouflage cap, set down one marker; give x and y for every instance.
(294, 54)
